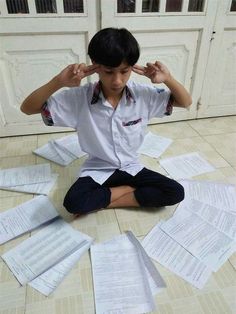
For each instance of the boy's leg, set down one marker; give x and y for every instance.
(155, 190)
(122, 194)
(86, 195)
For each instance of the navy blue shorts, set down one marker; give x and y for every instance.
(152, 190)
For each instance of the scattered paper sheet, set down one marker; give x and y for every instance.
(50, 280)
(220, 195)
(120, 278)
(186, 166)
(25, 217)
(220, 219)
(173, 256)
(35, 188)
(154, 145)
(42, 251)
(61, 151)
(25, 175)
(70, 144)
(201, 239)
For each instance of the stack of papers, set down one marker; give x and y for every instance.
(36, 179)
(154, 145)
(26, 217)
(203, 231)
(45, 259)
(168, 252)
(61, 151)
(200, 236)
(186, 166)
(217, 194)
(125, 279)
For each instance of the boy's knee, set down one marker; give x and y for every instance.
(179, 193)
(78, 204)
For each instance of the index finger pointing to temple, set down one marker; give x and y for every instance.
(90, 69)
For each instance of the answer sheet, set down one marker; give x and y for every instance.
(42, 251)
(120, 278)
(25, 217)
(217, 194)
(200, 238)
(163, 249)
(35, 188)
(50, 280)
(49, 152)
(61, 151)
(70, 144)
(186, 166)
(154, 145)
(25, 175)
(220, 219)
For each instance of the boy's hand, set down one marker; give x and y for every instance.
(72, 75)
(156, 72)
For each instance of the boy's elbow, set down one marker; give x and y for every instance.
(23, 109)
(187, 103)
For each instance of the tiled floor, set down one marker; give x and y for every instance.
(214, 138)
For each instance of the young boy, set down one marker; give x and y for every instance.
(110, 117)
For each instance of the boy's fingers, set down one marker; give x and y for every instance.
(139, 69)
(91, 69)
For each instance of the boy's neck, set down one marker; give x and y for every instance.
(112, 98)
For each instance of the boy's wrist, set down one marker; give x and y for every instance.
(56, 83)
(169, 80)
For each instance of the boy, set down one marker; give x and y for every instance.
(110, 117)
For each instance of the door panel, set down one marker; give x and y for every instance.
(177, 33)
(219, 89)
(37, 40)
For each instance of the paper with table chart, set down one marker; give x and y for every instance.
(186, 166)
(61, 151)
(121, 277)
(36, 179)
(154, 145)
(199, 237)
(217, 194)
(162, 248)
(35, 188)
(25, 175)
(42, 251)
(25, 217)
(50, 280)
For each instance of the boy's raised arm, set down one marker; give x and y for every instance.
(71, 76)
(158, 73)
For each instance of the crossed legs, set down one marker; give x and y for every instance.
(146, 189)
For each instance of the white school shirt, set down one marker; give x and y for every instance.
(111, 137)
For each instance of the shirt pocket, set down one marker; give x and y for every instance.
(132, 133)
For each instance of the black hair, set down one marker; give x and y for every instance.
(112, 46)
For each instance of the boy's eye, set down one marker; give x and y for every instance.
(108, 72)
(123, 72)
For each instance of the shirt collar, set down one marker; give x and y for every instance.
(97, 90)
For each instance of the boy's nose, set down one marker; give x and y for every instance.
(117, 79)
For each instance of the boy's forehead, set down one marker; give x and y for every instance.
(122, 66)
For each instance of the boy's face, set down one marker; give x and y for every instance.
(114, 79)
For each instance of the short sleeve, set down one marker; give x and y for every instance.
(161, 103)
(63, 108)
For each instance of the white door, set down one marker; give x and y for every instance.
(219, 89)
(179, 33)
(37, 40)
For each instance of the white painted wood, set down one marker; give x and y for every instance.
(219, 87)
(34, 48)
(178, 39)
